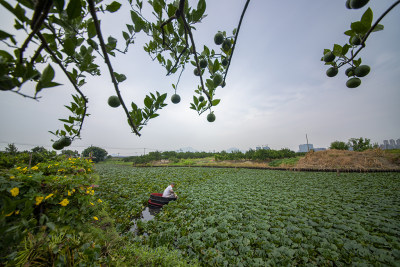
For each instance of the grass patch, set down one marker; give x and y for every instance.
(289, 162)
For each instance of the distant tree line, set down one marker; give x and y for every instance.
(11, 156)
(167, 155)
(260, 154)
(356, 144)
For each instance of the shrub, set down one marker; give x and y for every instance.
(339, 145)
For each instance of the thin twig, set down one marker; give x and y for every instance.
(38, 18)
(107, 60)
(183, 51)
(27, 96)
(48, 49)
(187, 27)
(369, 32)
(236, 36)
(37, 53)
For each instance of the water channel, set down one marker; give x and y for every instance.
(147, 214)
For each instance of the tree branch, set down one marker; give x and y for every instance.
(108, 62)
(44, 43)
(187, 27)
(40, 14)
(37, 53)
(236, 36)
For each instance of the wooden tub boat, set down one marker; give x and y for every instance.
(157, 200)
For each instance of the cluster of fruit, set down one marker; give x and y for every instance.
(217, 78)
(355, 72)
(61, 143)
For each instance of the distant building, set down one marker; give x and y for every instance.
(305, 147)
(390, 144)
(319, 149)
(258, 148)
(266, 148)
(385, 144)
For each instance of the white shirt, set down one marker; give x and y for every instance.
(168, 192)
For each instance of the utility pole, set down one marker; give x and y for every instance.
(308, 148)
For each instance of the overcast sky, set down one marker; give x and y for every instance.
(276, 92)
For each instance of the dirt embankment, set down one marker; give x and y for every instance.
(375, 159)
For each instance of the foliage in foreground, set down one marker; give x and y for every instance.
(257, 218)
(51, 215)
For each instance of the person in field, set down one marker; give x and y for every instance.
(169, 192)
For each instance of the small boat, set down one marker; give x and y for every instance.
(157, 200)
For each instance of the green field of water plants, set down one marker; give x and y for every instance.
(242, 217)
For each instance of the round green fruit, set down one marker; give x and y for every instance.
(175, 98)
(196, 72)
(217, 80)
(355, 4)
(348, 4)
(201, 98)
(329, 57)
(203, 63)
(224, 62)
(113, 101)
(211, 117)
(349, 72)
(219, 38)
(65, 141)
(355, 40)
(57, 145)
(332, 71)
(353, 82)
(226, 45)
(362, 70)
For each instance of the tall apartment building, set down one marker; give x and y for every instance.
(305, 147)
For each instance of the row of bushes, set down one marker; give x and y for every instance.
(175, 157)
(167, 155)
(261, 154)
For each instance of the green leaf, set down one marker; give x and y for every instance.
(69, 46)
(148, 102)
(359, 27)
(74, 9)
(130, 28)
(337, 50)
(59, 5)
(113, 7)
(216, 102)
(138, 21)
(157, 6)
(4, 35)
(367, 18)
(92, 29)
(47, 75)
(201, 8)
(125, 35)
(378, 27)
(345, 49)
(119, 77)
(349, 33)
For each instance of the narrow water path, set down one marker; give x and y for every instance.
(147, 214)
